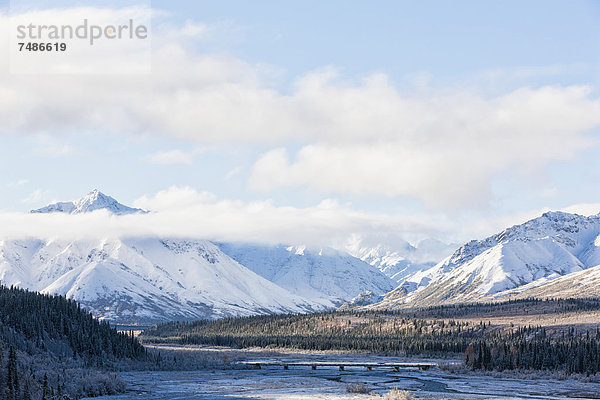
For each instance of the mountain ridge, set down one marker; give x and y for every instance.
(146, 279)
(324, 275)
(151, 275)
(552, 246)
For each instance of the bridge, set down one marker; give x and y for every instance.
(341, 365)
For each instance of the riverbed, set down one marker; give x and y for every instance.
(303, 383)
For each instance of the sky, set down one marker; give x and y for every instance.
(440, 119)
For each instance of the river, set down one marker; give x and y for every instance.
(303, 383)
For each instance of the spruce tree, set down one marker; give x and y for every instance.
(12, 375)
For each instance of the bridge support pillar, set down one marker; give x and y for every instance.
(314, 367)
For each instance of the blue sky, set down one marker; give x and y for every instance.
(474, 113)
(444, 38)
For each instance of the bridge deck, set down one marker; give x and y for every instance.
(340, 364)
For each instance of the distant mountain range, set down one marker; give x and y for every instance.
(326, 276)
(396, 257)
(149, 279)
(554, 255)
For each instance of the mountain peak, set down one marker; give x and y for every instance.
(95, 193)
(94, 200)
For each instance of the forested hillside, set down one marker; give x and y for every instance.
(51, 348)
(483, 345)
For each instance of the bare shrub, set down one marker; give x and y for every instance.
(357, 388)
(397, 394)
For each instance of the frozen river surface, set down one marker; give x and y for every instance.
(302, 383)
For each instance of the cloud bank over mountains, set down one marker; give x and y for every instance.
(182, 212)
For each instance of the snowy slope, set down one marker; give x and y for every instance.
(522, 257)
(145, 279)
(576, 285)
(154, 279)
(95, 200)
(326, 276)
(396, 257)
(502, 267)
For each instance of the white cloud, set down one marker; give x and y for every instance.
(360, 137)
(171, 157)
(175, 198)
(184, 212)
(220, 99)
(448, 150)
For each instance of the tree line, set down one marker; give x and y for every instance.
(41, 334)
(482, 345)
(573, 352)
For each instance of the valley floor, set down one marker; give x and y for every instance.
(216, 373)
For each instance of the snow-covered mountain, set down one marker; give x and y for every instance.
(520, 258)
(95, 200)
(144, 280)
(326, 276)
(396, 257)
(149, 279)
